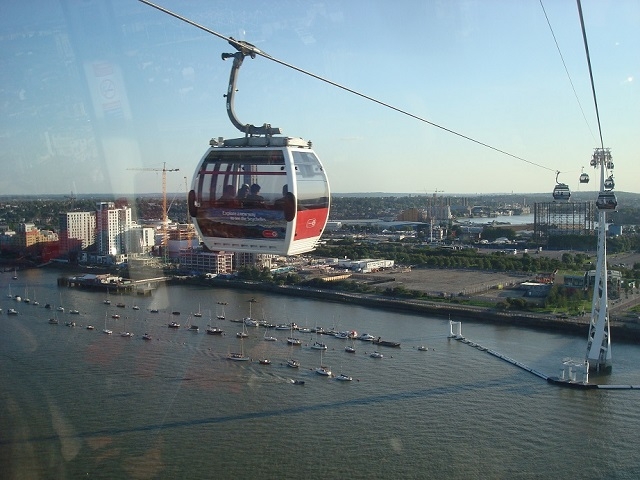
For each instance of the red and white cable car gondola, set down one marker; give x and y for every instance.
(260, 193)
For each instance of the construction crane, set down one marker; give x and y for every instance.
(165, 216)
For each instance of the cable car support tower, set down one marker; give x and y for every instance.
(598, 354)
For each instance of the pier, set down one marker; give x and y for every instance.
(112, 284)
(572, 376)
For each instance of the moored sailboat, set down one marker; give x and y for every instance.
(239, 356)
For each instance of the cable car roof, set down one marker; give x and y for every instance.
(262, 141)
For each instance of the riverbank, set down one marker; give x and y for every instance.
(620, 331)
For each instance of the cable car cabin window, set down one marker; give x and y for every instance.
(238, 194)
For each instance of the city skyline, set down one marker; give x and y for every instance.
(91, 89)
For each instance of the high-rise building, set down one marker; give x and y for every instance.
(77, 231)
(111, 226)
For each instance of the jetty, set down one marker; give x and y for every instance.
(112, 283)
(574, 374)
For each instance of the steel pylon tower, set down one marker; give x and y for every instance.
(599, 341)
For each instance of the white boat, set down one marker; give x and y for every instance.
(12, 311)
(365, 337)
(250, 322)
(106, 330)
(74, 312)
(293, 363)
(344, 377)
(198, 313)
(319, 346)
(136, 307)
(125, 333)
(269, 338)
(173, 325)
(323, 369)
(350, 349)
(239, 357)
(60, 308)
(291, 340)
(53, 321)
(423, 348)
(146, 336)
(90, 327)
(376, 355)
(220, 316)
(213, 330)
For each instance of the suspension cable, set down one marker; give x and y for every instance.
(593, 86)
(256, 51)
(564, 64)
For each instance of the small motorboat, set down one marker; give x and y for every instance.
(265, 361)
(376, 355)
(53, 321)
(344, 377)
(423, 348)
(146, 336)
(293, 363)
(174, 325)
(90, 327)
(297, 382)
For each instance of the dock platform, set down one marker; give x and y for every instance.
(562, 382)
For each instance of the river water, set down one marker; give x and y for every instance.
(79, 403)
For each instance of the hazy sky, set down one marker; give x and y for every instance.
(89, 88)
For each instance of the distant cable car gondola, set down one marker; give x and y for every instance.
(606, 201)
(584, 178)
(609, 184)
(259, 193)
(561, 192)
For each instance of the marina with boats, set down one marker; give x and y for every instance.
(159, 370)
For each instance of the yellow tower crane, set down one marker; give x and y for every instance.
(165, 217)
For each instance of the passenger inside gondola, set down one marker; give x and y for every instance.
(228, 198)
(243, 191)
(254, 199)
